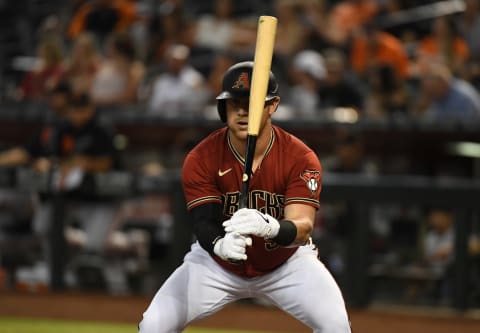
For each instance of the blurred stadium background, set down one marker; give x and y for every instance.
(385, 91)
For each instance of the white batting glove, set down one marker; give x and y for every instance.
(232, 247)
(252, 222)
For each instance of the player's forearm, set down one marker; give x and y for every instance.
(303, 217)
(304, 231)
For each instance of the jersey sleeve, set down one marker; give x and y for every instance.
(198, 182)
(305, 181)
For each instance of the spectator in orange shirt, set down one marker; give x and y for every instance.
(347, 16)
(374, 47)
(102, 17)
(444, 44)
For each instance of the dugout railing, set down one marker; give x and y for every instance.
(360, 192)
(425, 143)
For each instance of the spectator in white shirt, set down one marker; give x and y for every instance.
(181, 90)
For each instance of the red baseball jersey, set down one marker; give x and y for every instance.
(290, 172)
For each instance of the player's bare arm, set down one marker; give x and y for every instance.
(303, 216)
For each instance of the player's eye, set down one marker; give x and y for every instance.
(238, 103)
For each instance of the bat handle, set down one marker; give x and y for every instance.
(244, 198)
(247, 170)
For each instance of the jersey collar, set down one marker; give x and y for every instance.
(240, 158)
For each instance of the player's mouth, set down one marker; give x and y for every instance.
(242, 124)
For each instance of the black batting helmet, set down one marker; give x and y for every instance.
(236, 84)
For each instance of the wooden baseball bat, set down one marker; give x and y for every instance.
(262, 62)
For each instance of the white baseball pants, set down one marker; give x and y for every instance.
(302, 287)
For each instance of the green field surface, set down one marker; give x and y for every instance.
(28, 325)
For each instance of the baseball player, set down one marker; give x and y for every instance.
(263, 251)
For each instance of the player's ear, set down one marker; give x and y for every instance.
(273, 104)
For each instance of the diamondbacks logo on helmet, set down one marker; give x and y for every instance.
(242, 82)
(312, 179)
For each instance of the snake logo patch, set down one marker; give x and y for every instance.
(312, 180)
(242, 82)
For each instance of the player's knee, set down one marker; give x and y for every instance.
(334, 324)
(150, 324)
(155, 323)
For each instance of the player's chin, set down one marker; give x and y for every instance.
(242, 129)
(240, 133)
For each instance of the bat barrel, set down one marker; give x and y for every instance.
(262, 62)
(267, 26)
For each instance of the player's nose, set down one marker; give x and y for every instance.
(242, 110)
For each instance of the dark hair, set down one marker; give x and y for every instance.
(452, 25)
(386, 77)
(80, 100)
(63, 87)
(123, 44)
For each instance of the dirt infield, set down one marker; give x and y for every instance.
(239, 316)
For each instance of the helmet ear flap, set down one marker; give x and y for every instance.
(222, 110)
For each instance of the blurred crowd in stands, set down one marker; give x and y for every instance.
(336, 60)
(168, 56)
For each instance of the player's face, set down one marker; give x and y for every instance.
(237, 115)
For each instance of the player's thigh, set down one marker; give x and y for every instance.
(307, 291)
(192, 292)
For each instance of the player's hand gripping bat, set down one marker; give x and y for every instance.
(267, 26)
